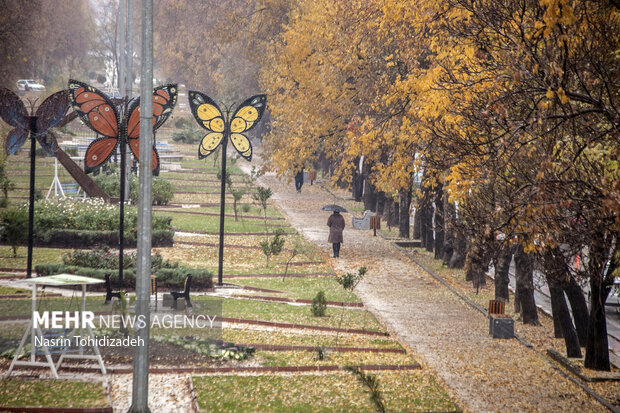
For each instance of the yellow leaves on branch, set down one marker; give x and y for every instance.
(556, 12)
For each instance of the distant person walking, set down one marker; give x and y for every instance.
(299, 180)
(336, 226)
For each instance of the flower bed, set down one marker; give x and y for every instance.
(79, 223)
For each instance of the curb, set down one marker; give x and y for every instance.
(57, 409)
(304, 327)
(298, 300)
(192, 392)
(585, 388)
(276, 347)
(272, 275)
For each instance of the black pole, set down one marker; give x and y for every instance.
(222, 206)
(33, 145)
(121, 225)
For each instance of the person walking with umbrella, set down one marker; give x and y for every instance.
(335, 222)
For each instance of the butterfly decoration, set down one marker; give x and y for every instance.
(49, 114)
(100, 114)
(208, 115)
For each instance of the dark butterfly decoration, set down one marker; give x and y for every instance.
(100, 114)
(49, 114)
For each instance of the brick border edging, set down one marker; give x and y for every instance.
(57, 409)
(209, 244)
(263, 290)
(297, 300)
(27, 295)
(304, 327)
(13, 270)
(232, 234)
(259, 323)
(192, 392)
(557, 356)
(216, 214)
(277, 347)
(273, 275)
(256, 369)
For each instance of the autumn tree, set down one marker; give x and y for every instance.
(45, 39)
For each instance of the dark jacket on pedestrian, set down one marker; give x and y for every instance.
(336, 226)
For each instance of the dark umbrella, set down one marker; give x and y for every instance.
(334, 207)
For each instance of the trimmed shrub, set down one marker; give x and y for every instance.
(71, 238)
(188, 135)
(163, 190)
(319, 304)
(14, 227)
(172, 278)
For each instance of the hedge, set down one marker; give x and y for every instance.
(173, 278)
(71, 238)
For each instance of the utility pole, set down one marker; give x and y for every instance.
(122, 13)
(129, 66)
(140, 394)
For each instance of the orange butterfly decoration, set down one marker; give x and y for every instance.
(101, 115)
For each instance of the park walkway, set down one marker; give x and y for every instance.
(445, 334)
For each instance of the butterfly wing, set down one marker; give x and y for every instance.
(15, 140)
(97, 112)
(164, 100)
(208, 115)
(98, 152)
(49, 114)
(12, 109)
(94, 108)
(246, 117)
(13, 112)
(134, 145)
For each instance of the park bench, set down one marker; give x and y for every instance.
(71, 190)
(364, 222)
(185, 293)
(500, 325)
(108, 290)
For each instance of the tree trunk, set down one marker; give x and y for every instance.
(427, 223)
(517, 301)
(381, 200)
(393, 216)
(439, 222)
(448, 243)
(579, 307)
(524, 274)
(502, 276)
(476, 264)
(423, 219)
(417, 223)
(404, 199)
(358, 182)
(597, 354)
(370, 196)
(555, 311)
(460, 247)
(560, 312)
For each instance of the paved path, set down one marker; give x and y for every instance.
(445, 334)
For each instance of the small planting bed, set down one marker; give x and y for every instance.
(342, 392)
(51, 393)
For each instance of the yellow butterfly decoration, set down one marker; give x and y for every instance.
(208, 115)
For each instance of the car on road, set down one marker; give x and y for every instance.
(29, 84)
